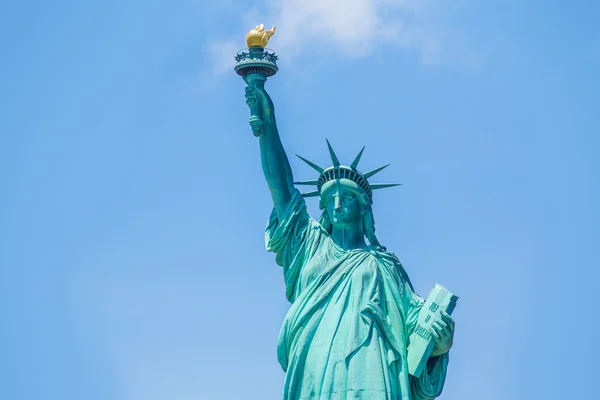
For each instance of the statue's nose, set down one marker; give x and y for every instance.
(337, 204)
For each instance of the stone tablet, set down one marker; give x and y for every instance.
(421, 341)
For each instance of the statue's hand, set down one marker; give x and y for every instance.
(256, 96)
(443, 334)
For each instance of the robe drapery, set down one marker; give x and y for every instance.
(346, 333)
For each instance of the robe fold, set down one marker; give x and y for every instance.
(346, 333)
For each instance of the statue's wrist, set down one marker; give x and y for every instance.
(269, 121)
(438, 352)
(269, 127)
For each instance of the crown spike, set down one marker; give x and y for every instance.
(336, 162)
(383, 185)
(357, 159)
(312, 183)
(312, 164)
(369, 174)
(314, 193)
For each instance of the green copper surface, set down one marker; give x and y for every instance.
(353, 308)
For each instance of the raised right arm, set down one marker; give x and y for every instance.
(275, 163)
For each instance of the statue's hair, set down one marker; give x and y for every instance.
(368, 221)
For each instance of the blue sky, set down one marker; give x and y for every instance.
(133, 205)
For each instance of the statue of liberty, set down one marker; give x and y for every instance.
(353, 308)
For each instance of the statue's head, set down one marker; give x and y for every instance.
(345, 196)
(344, 204)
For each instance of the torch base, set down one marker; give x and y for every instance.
(256, 60)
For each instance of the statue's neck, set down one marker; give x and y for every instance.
(349, 238)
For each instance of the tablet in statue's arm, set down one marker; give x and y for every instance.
(421, 341)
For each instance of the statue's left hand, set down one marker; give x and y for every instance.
(443, 334)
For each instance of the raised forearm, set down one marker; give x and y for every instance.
(275, 163)
(276, 166)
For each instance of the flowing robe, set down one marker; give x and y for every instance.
(346, 333)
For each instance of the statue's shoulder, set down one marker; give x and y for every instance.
(313, 233)
(393, 261)
(382, 253)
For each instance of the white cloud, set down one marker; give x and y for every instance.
(349, 27)
(221, 54)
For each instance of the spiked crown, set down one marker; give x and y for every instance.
(339, 172)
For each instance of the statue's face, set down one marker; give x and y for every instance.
(343, 207)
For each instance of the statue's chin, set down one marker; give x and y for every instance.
(343, 224)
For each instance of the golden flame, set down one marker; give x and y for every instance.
(258, 37)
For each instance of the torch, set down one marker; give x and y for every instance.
(255, 64)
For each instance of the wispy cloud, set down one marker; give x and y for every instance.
(352, 28)
(221, 54)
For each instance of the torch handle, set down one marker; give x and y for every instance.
(255, 121)
(255, 80)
